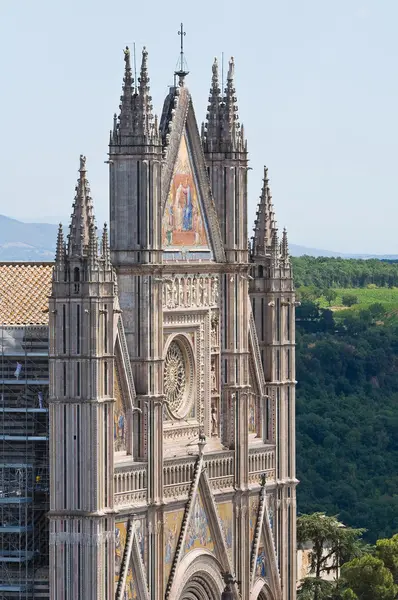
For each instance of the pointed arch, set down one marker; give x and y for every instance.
(262, 591)
(199, 577)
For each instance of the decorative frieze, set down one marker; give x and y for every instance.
(191, 291)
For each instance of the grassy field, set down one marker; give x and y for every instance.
(388, 297)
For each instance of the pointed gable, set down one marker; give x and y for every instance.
(184, 223)
(190, 228)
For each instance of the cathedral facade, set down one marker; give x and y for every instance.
(172, 369)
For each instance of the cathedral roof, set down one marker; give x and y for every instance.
(24, 291)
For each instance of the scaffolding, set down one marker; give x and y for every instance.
(24, 463)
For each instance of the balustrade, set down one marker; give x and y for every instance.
(131, 482)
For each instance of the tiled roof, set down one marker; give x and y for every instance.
(24, 292)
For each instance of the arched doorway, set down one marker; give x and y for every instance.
(198, 577)
(199, 587)
(262, 591)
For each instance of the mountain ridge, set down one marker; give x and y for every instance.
(20, 241)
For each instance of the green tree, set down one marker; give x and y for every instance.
(369, 579)
(329, 294)
(376, 310)
(387, 551)
(349, 300)
(308, 293)
(312, 586)
(332, 545)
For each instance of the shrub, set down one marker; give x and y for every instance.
(349, 299)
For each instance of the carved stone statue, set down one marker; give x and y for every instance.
(189, 292)
(213, 378)
(201, 291)
(194, 291)
(214, 331)
(206, 292)
(214, 421)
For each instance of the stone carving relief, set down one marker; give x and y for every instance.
(188, 291)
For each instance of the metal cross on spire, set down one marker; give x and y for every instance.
(183, 67)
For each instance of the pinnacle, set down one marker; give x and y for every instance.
(60, 248)
(93, 244)
(144, 117)
(127, 93)
(214, 81)
(231, 69)
(223, 132)
(265, 224)
(105, 255)
(82, 216)
(135, 124)
(212, 130)
(284, 246)
(230, 126)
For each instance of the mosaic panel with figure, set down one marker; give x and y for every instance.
(260, 563)
(225, 512)
(120, 542)
(172, 528)
(198, 533)
(183, 224)
(119, 422)
(130, 590)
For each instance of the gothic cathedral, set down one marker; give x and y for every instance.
(172, 369)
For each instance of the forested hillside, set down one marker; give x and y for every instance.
(344, 273)
(347, 397)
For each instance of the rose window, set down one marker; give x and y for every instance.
(174, 377)
(178, 380)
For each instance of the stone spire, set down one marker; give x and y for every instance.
(275, 247)
(60, 249)
(82, 215)
(265, 223)
(144, 106)
(135, 125)
(212, 129)
(284, 246)
(105, 251)
(93, 246)
(126, 99)
(231, 134)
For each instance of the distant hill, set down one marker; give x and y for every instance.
(296, 250)
(36, 241)
(26, 241)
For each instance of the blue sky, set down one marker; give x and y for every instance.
(316, 83)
